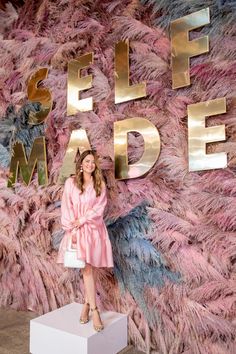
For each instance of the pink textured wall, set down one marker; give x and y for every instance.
(193, 214)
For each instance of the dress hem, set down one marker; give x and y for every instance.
(96, 266)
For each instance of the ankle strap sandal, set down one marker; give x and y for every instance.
(84, 320)
(100, 327)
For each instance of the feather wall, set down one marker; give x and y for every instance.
(173, 232)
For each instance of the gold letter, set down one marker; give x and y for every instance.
(123, 91)
(78, 139)
(182, 49)
(151, 147)
(76, 84)
(199, 135)
(37, 155)
(41, 95)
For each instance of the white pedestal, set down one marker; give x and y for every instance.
(60, 332)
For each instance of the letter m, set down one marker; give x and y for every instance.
(19, 162)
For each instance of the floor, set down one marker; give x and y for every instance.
(14, 333)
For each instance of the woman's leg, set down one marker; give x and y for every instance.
(90, 291)
(89, 285)
(85, 292)
(85, 310)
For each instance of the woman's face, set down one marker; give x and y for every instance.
(88, 164)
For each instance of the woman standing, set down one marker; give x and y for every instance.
(83, 203)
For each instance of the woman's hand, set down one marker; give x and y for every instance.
(76, 224)
(74, 238)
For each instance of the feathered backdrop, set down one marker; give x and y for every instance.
(173, 232)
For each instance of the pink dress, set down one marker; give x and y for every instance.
(93, 244)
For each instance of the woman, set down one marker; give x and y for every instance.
(83, 203)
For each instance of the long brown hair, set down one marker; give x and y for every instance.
(97, 174)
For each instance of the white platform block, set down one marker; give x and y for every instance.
(60, 332)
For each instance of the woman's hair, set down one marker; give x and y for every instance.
(97, 174)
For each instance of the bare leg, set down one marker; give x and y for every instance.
(84, 317)
(89, 285)
(90, 289)
(86, 299)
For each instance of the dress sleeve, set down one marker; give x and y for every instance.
(67, 213)
(94, 214)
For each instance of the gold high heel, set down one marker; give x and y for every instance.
(84, 320)
(98, 328)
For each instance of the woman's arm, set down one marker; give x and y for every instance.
(67, 213)
(97, 211)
